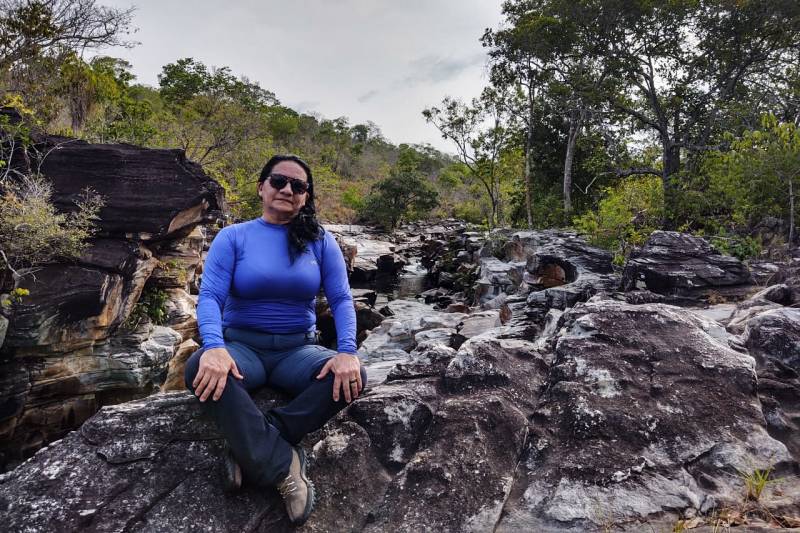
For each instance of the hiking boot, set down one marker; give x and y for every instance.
(296, 489)
(232, 472)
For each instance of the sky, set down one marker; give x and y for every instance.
(377, 60)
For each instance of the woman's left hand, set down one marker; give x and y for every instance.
(347, 375)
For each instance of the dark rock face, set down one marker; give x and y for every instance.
(153, 194)
(773, 337)
(68, 345)
(671, 262)
(562, 270)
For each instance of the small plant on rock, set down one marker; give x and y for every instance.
(755, 482)
(152, 305)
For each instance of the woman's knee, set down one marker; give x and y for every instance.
(191, 368)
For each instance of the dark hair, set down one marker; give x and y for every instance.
(304, 227)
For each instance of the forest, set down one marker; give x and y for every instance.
(613, 118)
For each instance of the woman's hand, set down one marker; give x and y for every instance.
(215, 364)
(347, 375)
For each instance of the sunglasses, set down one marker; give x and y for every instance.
(279, 181)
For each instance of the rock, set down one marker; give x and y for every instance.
(645, 413)
(436, 336)
(773, 297)
(69, 307)
(671, 262)
(148, 193)
(367, 296)
(181, 310)
(498, 277)
(776, 334)
(3, 323)
(479, 323)
(427, 360)
(561, 270)
(395, 418)
(772, 336)
(632, 415)
(457, 308)
(73, 306)
(178, 262)
(177, 365)
(63, 391)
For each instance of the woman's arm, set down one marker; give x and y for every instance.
(337, 291)
(345, 366)
(215, 363)
(214, 287)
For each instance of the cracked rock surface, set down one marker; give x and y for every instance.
(625, 414)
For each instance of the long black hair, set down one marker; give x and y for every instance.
(304, 227)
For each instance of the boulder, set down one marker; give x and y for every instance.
(149, 194)
(773, 337)
(646, 413)
(672, 262)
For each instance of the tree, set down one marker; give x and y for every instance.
(541, 54)
(759, 175)
(480, 132)
(404, 195)
(684, 65)
(34, 28)
(211, 112)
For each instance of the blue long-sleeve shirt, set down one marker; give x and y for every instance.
(250, 283)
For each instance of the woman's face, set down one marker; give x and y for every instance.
(280, 206)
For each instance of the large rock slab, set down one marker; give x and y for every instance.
(647, 412)
(148, 193)
(672, 262)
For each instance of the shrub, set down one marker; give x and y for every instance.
(152, 305)
(628, 213)
(33, 232)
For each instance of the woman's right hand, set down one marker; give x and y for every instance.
(215, 364)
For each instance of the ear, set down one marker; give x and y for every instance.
(260, 188)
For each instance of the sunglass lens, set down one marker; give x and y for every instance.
(299, 187)
(278, 181)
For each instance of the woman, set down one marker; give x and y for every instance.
(256, 315)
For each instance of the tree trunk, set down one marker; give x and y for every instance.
(528, 157)
(791, 210)
(575, 123)
(672, 164)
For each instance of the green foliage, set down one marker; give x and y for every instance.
(755, 482)
(152, 306)
(404, 195)
(626, 215)
(746, 247)
(14, 297)
(757, 177)
(32, 232)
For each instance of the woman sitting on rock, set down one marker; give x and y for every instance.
(256, 315)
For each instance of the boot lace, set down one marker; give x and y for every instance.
(287, 487)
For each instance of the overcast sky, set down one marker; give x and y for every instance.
(378, 60)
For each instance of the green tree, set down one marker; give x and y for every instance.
(758, 177)
(480, 132)
(211, 113)
(405, 195)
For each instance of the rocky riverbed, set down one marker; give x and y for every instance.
(524, 390)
